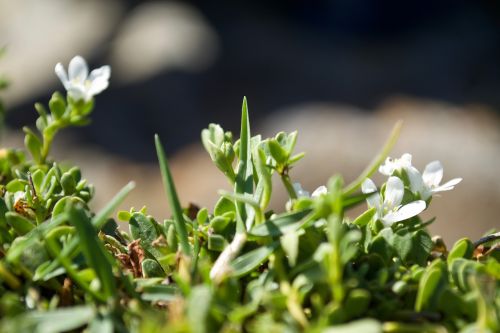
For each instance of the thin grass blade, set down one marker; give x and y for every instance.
(173, 199)
(375, 163)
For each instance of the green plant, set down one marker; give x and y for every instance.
(238, 267)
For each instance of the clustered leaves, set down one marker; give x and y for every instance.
(238, 266)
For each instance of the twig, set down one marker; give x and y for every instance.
(487, 239)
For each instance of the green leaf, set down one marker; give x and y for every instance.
(160, 292)
(358, 326)
(290, 244)
(365, 217)
(265, 185)
(244, 176)
(412, 247)
(247, 262)
(55, 321)
(357, 302)
(38, 233)
(57, 105)
(463, 248)
(216, 242)
(280, 225)
(219, 223)
(68, 183)
(101, 325)
(147, 230)
(461, 271)
(198, 309)
(16, 185)
(279, 154)
(19, 223)
(38, 176)
(34, 145)
(172, 197)
(380, 246)
(93, 250)
(375, 163)
(402, 243)
(224, 205)
(151, 268)
(430, 287)
(421, 247)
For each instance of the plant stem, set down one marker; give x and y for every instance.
(222, 265)
(47, 142)
(285, 178)
(487, 239)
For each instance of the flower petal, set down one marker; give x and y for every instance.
(367, 187)
(391, 165)
(404, 212)
(300, 191)
(416, 181)
(394, 191)
(62, 75)
(77, 92)
(387, 168)
(97, 86)
(103, 72)
(319, 191)
(405, 160)
(449, 185)
(433, 174)
(78, 69)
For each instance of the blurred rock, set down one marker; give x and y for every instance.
(159, 36)
(465, 139)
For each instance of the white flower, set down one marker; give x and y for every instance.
(391, 165)
(428, 183)
(389, 209)
(319, 191)
(425, 185)
(301, 193)
(78, 82)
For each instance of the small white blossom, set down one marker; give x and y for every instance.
(389, 208)
(78, 83)
(301, 193)
(319, 191)
(390, 165)
(425, 184)
(428, 183)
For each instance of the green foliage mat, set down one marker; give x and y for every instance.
(238, 267)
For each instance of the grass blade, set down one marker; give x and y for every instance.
(375, 163)
(93, 250)
(244, 180)
(172, 197)
(100, 219)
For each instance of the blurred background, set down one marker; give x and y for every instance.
(340, 72)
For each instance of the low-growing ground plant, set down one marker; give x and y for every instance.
(237, 266)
